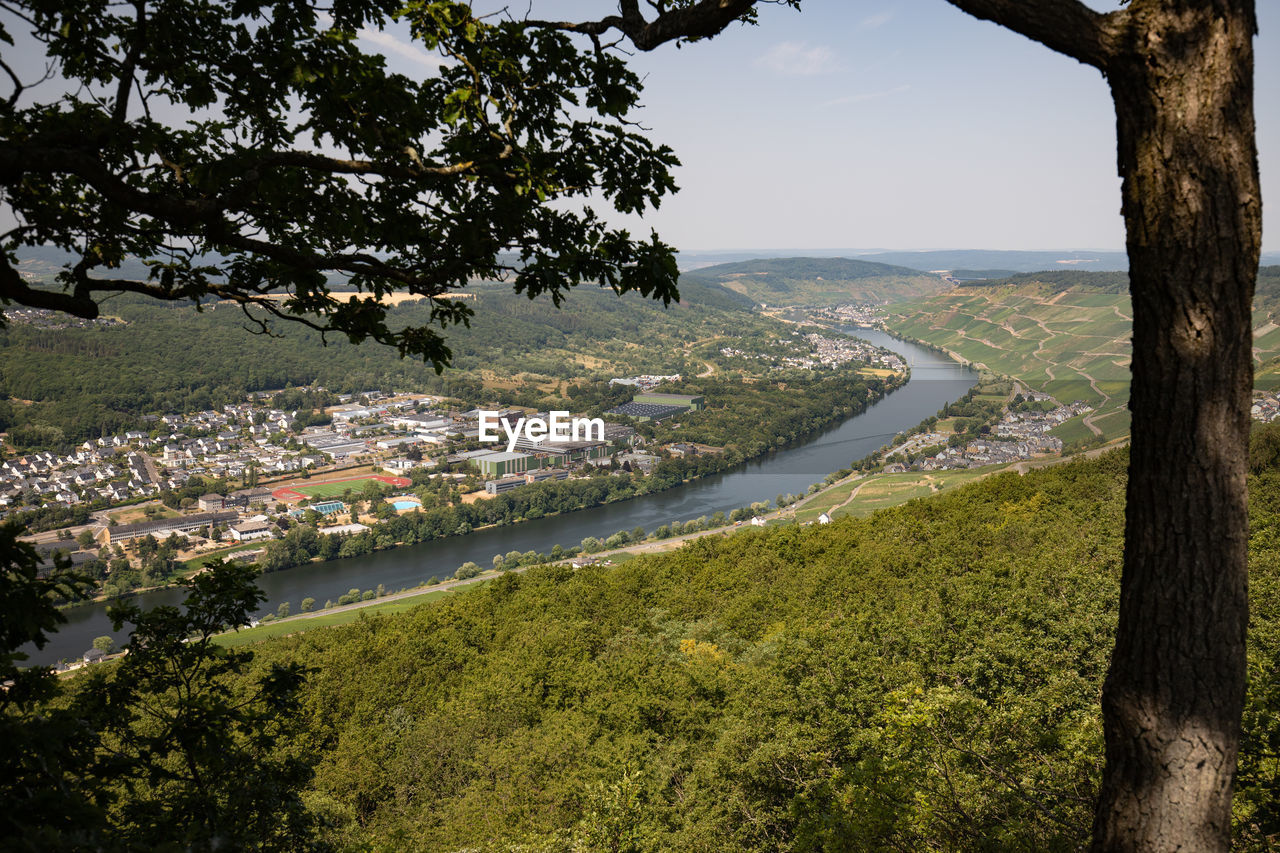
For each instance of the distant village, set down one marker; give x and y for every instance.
(849, 315)
(46, 319)
(1266, 406)
(826, 351)
(1018, 436)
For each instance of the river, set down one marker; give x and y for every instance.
(934, 383)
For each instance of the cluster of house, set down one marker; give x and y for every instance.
(823, 351)
(1018, 436)
(645, 381)
(46, 319)
(849, 315)
(1031, 423)
(832, 352)
(114, 469)
(107, 469)
(230, 443)
(989, 451)
(1266, 407)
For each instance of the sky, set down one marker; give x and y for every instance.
(900, 125)
(884, 124)
(895, 124)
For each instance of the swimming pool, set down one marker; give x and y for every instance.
(406, 504)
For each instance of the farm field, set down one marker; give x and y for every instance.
(1072, 343)
(864, 496)
(886, 490)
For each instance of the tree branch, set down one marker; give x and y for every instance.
(192, 214)
(14, 289)
(341, 166)
(127, 69)
(1067, 26)
(701, 20)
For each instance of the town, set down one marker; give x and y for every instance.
(252, 441)
(337, 470)
(1266, 406)
(1019, 435)
(826, 351)
(848, 315)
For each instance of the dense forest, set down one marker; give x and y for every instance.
(926, 678)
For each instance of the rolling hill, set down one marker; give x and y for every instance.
(817, 281)
(1063, 332)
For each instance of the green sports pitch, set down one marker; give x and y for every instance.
(335, 488)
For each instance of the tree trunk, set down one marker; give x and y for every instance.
(1182, 80)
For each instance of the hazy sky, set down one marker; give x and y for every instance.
(894, 124)
(900, 125)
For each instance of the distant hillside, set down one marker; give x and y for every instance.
(817, 281)
(1266, 296)
(1061, 280)
(1064, 332)
(990, 275)
(948, 259)
(87, 381)
(43, 263)
(996, 259)
(696, 291)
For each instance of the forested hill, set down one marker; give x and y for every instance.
(64, 384)
(1021, 261)
(817, 281)
(927, 678)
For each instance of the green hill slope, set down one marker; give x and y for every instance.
(1063, 332)
(818, 281)
(926, 678)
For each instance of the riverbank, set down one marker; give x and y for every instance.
(880, 491)
(792, 469)
(804, 409)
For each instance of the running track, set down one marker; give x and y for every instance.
(288, 493)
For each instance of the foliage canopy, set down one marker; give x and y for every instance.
(249, 150)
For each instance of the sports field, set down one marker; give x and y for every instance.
(334, 488)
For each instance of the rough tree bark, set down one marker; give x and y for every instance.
(1183, 89)
(1181, 75)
